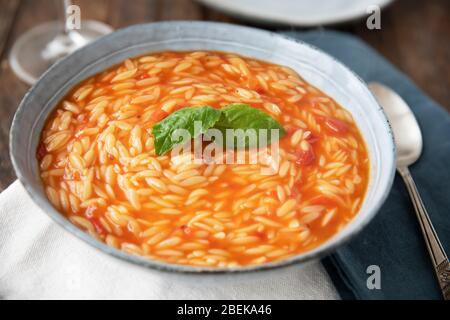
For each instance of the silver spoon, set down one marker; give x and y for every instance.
(408, 139)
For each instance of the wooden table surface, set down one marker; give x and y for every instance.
(415, 36)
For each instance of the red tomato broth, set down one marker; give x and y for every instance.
(139, 223)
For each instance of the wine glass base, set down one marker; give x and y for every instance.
(39, 48)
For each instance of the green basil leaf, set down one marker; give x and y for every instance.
(244, 121)
(246, 118)
(183, 119)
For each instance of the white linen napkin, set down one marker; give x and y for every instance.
(40, 260)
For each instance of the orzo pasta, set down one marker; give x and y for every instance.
(99, 165)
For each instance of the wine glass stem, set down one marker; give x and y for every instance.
(66, 6)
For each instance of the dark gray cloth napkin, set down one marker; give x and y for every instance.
(393, 240)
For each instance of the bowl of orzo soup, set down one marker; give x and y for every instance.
(204, 147)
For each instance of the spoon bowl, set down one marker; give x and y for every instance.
(407, 134)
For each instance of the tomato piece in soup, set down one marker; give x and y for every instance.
(41, 152)
(336, 126)
(305, 157)
(159, 115)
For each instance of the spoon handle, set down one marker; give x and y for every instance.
(439, 258)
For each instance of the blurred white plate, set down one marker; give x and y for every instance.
(296, 12)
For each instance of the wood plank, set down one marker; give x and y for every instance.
(179, 10)
(124, 13)
(94, 10)
(30, 13)
(415, 37)
(7, 16)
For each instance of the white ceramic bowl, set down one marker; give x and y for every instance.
(313, 65)
(303, 13)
